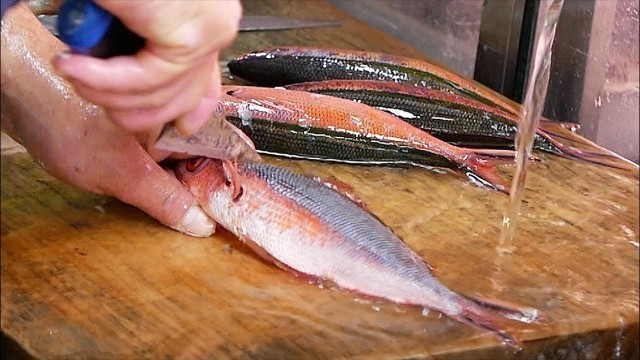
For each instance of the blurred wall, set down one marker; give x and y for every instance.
(594, 78)
(446, 31)
(609, 112)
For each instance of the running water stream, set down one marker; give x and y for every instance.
(537, 81)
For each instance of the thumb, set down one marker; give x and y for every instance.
(158, 193)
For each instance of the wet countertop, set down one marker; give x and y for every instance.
(85, 276)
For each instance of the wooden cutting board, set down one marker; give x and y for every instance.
(85, 276)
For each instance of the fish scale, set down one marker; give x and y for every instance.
(308, 68)
(456, 124)
(338, 212)
(283, 66)
(297, 141)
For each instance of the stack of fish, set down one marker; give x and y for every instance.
(359, 108)
(449, 114)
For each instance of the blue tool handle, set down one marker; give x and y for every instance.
(91, 30)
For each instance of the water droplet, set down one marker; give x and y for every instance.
(398, 309)
(425, 311)
(226, 248)
(41, 164)
(375, 308)
(244, 112)
(356, 120)
(361, 301)
(304, 124)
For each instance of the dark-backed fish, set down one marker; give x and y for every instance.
(304, 125)
(455, 119)
(288, 65)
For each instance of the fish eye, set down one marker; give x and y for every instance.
(193, 164)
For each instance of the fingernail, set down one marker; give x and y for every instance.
(64, 55)
(196, 223)
(60, 65)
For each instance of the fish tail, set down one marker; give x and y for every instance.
(606, 159)
(480, 167)
(554, 132)
(492, 316)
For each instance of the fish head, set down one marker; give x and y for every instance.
(260, 66)
(201, 175)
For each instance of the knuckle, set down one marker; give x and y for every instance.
(155, 101)
(192, 103)
(122, 120)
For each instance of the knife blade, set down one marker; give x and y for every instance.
(271, 23)
(248, 23)
(217, 139)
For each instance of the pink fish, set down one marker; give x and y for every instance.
(308, 227)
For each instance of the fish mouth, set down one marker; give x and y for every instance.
(190, 166)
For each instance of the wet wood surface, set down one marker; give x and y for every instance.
(85, 276)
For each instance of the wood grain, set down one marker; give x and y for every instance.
(87, 277)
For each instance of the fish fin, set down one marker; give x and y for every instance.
(492, 316)
(233, 179)
(481, 170)
(509, 310)
(480, 167)
(344, 189)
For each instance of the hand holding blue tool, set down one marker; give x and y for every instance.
(91, 30)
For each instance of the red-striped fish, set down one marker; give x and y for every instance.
(304, 225)
(304, 125)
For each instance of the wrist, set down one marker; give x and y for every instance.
(27, 47)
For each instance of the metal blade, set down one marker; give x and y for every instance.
(248, 23)
(217, 139)
(267, 22)
(50, 22)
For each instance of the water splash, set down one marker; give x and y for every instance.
(538, 79)
(305, 124)
(244, 112)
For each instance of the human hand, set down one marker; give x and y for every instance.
(176, 76)
(74, 140)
